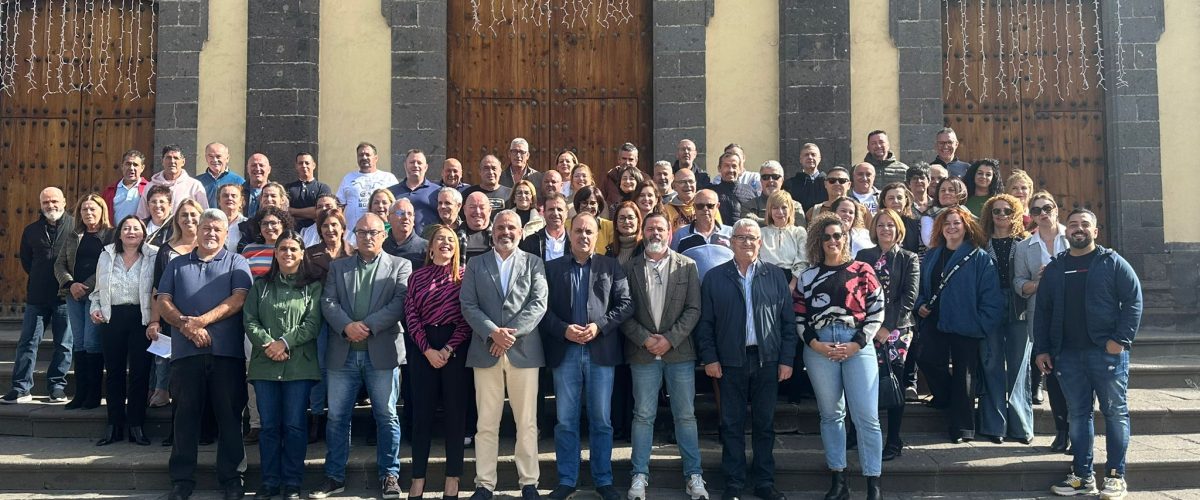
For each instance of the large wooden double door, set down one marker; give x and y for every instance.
(1044, 117)
(564, 84)
(74, 139)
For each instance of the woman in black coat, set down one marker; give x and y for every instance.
(899, 272)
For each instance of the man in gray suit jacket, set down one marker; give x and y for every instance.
(665, 287)
(503, 298)
(363, 302)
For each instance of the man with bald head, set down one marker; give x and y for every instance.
(489, 184)
(681, 210)
(216, 156)
(477, 212)
(304, 192)
(174, 176)
(704, 240)
(403, 240)
(40, 243)
(807, 187)
(685, 159)
(258, 174)
(862, 186)
(452, 175)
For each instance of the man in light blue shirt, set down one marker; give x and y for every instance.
(124, 195)
(216, 155)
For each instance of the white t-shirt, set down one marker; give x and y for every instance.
(355, 192)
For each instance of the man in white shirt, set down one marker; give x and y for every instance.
(862, 186)
(355, 190)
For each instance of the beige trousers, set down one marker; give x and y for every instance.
(522, 388)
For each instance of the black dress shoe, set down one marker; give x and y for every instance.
(235, 493)
(482, 493)
(266, 493)
(731, 494)
(892, 451)
(1026, 441)
(769, 493)
(562, 492)
(169, 441)
(997, 439)
(138, 436)
(180, 492)
(112, 434)
(529, 492)
(1062, 441)
(291, 493)
(956, 440)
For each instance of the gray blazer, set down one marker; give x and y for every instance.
(385, 345)
(486, 308)
(1027, 262)
(681, 310)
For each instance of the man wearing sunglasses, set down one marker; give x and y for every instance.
(705, 240)
(771, 173)
(837, 184)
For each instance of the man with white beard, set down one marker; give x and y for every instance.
(658, 346)
(40, 244)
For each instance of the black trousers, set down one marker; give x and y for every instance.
(221, 382)
(953, 389)
(124, 341)
(429, 385)
(621, 412)
(758, 387)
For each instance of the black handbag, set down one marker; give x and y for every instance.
(891, 393)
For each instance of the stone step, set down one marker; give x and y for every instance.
(1153, 411)
(655, 492)
(929, 465)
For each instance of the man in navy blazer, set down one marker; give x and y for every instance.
(589, 299)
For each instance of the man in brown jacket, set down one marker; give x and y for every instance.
(658, 346)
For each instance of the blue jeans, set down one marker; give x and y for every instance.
(383, 387)
(854, 383)
(87, 336)
(681, 388)
(162, 373)
(317, 398)
(1006, 407)
(33, 327)
(575, 379)
(1080, 374)
(283, 440)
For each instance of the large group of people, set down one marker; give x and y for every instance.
(295, 303)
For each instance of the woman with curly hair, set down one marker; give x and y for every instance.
(269, 224)
(951, 192)
(983, 181)
(1005, 408)
(840, 312)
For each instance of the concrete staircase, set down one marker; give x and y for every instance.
(44, 447)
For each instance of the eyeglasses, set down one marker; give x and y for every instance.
(836, 180)
(1044, 209)
(1002, 211)
(368, 233)
(403, 214)
(745, 238)
(834, 236)
(270, 223)
(771, 177)
(518, 152)
(705, 206)
(627, 218)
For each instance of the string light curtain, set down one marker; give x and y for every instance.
(85, 46)
(497, 15)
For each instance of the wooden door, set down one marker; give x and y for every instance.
(72, 137)
(1045, 114)
(583, 86)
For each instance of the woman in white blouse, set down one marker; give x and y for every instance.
(782, 240)
(855, 217)
(121, 306)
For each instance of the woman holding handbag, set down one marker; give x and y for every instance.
(841, 310)
(899, 273)
(960, 305)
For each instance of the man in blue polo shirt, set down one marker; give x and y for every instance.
(201, 296)
(417, 189)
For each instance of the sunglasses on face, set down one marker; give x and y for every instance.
(706, 206)
(771, 177)
(1044, 209)
(836, 180)
(1002, 211)
(835, 237)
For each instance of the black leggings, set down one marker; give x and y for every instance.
(124, 341)
(430, 384)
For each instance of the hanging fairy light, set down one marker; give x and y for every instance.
(82, 64)
(605, 13)
(1083, 60)
(1120, 50)
(1000, 76)
(983, 50)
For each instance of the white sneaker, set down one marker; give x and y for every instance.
(695, 487)
(1075, 485)
(1114, 488)
(637, 489)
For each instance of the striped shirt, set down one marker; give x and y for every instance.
(433, 301)
(260, 256)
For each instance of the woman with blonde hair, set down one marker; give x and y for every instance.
(854, 215)
(1020, 185)
(75, 270)
(783, 242)
(435, 325)
(523, 200)
(1005, 407)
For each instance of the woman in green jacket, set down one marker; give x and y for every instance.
(282, 315)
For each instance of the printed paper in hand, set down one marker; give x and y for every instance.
(160, 347)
